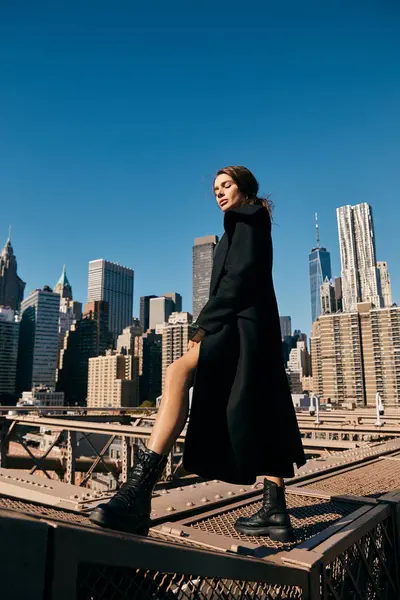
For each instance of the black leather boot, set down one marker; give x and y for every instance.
(129, 510)
(272, 519)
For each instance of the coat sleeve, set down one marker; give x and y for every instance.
(235, 288)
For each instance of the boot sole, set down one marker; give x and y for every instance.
(102, 519)
(278, 534)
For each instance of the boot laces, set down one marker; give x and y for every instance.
(142, 473)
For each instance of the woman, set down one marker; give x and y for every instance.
(242, 422)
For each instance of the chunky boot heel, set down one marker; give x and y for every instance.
(129, 509)
(281, 534)
(272, 519)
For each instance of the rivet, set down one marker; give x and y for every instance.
(170, 509)
(230, 493)
(164, 492)
(189, 503)
(205, 500)
(193, 485)
(242, 490)
(204, 483)
(217, 496)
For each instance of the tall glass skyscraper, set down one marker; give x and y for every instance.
(319, 262)
(112, 283)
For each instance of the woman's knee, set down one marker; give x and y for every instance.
(182, 367)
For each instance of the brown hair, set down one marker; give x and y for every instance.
(247, 184)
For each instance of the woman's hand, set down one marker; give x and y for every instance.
(192, 344)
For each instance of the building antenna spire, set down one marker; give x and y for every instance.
(9, 232)
(317, 229)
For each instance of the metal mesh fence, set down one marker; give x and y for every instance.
(99, 582)
(367, 570)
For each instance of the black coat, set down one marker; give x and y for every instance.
(242, 421)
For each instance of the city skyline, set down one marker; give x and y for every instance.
(185, 302)
(103, 155)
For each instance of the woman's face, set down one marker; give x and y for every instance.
(227, 192)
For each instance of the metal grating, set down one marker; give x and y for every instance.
(99, 582)
(366, 570)
(370, 480)
(308, 515)
(43, 512)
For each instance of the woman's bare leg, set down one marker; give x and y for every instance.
(174, 406)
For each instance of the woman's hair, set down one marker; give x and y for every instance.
(247, 184)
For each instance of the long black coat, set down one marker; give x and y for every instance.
(242, 421)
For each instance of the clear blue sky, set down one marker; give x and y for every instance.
(114, 117)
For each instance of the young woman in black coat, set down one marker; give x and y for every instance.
(242, 421)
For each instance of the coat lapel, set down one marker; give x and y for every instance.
(221, 251)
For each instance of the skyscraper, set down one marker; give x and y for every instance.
(286, 326)
(112, 283)
(384, 283)
(357, 255)
(9, 334)
(145, 312)
(70, 310)
(63, 286)
(150, 360)
(338, 293)
(203, 260)
(319, 262)
(86, 339)
(38, 340)
(160, 310)
(176, 299)
(328, 298)
(11, 286)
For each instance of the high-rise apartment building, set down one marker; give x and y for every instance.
(357, 255)
(98, 311)
(38, 340)
(128, 343)
(9, 335)
(384, 283)
(11, 286)
(175, 337)
(160, 310)
(298, 366)
(319, 263)
(203, 260)
(112, 283)
(286, 326)
(336, 354)
(145, 312)
(380, 332)
(328, 297)
(355, 355)
(110, 383)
